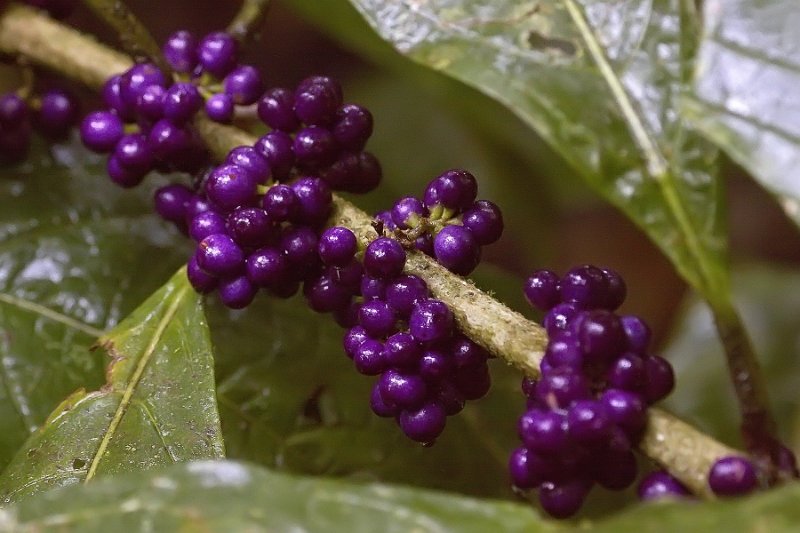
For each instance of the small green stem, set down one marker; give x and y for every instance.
(135, 38)
(249, 18)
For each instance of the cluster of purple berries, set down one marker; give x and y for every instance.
(426, 368)
(54, 114)
(448, 223)
(588, 409)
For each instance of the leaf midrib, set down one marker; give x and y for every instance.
(134, 381)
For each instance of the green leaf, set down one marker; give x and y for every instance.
(290, 399)
(767, 298)
(228, 496)
(745, 94)
(157, 407)
(583, 75)
(77, 255)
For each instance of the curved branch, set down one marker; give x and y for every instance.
(684, 450)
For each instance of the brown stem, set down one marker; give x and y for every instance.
(249, 18)
(682, 449)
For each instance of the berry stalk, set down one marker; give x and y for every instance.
(250, 16)
(682, 449)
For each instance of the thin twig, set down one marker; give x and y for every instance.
(249, 19)
(133, 35)
(684, 450)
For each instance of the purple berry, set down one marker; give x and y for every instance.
(564, 498)
(180, 51)
(101, 130)
(563, 350)
(281, 203)
(275, 109)
(369, 360)
(219, 255)
(113, 98)
(373, 288)
(181, 102)
(13, 111)
(300, 246)
(243, 85)
(201, 282)
(404, 291)
(402, 350)
(377, 318)
(485, 220)
(586, 286)
(435, 365)
(450, 398)
(170, 202)
(252, 161)
(316, 102)
(267, 267)
(384, 258)
(424, 424)
(133, 152)
(660, 379)
(353, 339)
(324, 295)
(559, 318)
(123, 176)
(625, 409)
(519, 466)
(628, 373)
(732, 476)
(379, 406)
(315, 147)
(167, 139)
(600, 335)
(637, 332)
(404, 389)
(58, 112)
(561, 387)
(455, 189)
(230, 186)
(543, 431)
(589, 421)
(408, 211)
(430, 321)
(250, 226)
(466, 353)
(219, 108)
(133, 82)
(660, 484)
(616, 291)
(206, 223)
(150, 103)
(456, 249)
(473, 382)
(353, 126)
(314, 200)
(337, 246)
(276, 147)
(217, 53)
(542, 289)
(237, 293)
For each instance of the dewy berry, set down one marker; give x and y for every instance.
(588, 409)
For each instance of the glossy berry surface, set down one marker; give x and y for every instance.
(217, 53)
(337, 246)
(732, 476)
(384, 258)
(660, 484)
(101, 130)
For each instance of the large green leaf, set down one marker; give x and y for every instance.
(290, 399)
(157, 407)
(768, 300)
(228, 496)
(745, 94)
(583, 74)
(76, 255)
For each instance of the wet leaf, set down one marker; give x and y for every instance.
(583, 75)
(767, 298)
(157, 407)
(744, 95)
(290, 399)
(228, 496)
(76, 255)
